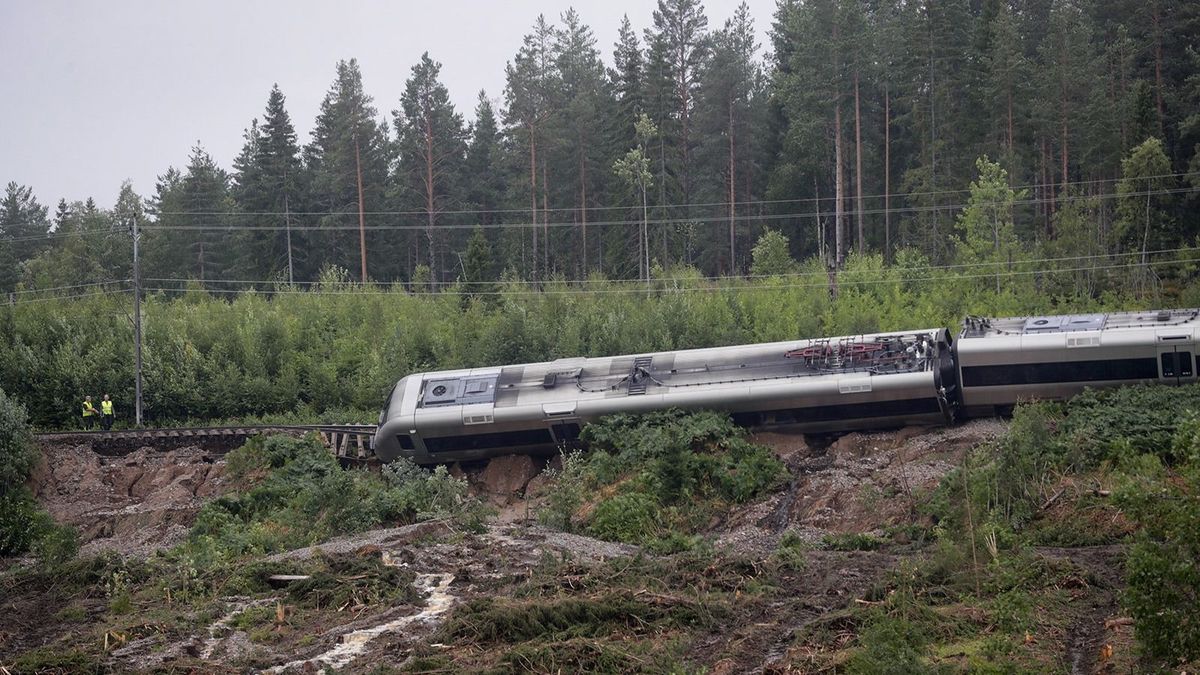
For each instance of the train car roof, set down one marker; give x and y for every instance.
(979, 327)
(603, 377)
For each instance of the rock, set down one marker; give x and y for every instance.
(537, 486)
(507, 476)
(850, 445)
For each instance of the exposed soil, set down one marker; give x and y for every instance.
(860, 483)
(133, 504)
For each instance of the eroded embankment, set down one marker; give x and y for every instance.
(132, 504)
(734, 609)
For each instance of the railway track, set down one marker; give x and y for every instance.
(345, 441)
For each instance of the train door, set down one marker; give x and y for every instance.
(1176, 363)
(566, 432)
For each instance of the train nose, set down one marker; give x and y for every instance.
(391, 439)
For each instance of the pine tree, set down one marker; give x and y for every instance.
(531, 81)
(584, 96)
(724, 118)
(1068, 73)
(348, 141)
(432, 142)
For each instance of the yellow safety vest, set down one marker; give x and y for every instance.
(106, 407)
(88, 409)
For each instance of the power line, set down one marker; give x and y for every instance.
(720, 219)
(571, 209)
(797, 200)
(73, 286)
(653, 287)
(49, 298)
(790, 275)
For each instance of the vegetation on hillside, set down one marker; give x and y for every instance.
(659, 479)
(986, 568)
(288, 493)
(24, 525)
(335, 352)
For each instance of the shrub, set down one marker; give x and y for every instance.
(1135, 420)
(631, 518)
(16, 445)
(23, 524)
(18, 511)
(1162, 572)
(296, 494)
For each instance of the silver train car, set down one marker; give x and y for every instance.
(876, 381)
(829, 384)
(1004, 361)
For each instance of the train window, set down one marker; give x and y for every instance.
(1185, 364)
(502, 439)
(1066, 371)
(566, 432)
(827, 413)
(1168, 365)
(405, 441)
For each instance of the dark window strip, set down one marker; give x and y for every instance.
(1063, 371)
(828, 413)
(503, 439)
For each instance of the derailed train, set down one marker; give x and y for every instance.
(875, 381)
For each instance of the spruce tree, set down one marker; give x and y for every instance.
(268, 187)
(724, 118)
(23, 222)
(482, 172)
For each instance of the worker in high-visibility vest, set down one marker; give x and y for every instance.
(89, 413)
(106, 413)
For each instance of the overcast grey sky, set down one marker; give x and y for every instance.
(94, 93)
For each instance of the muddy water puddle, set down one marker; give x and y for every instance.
(354, 643)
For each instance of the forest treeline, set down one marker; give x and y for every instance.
(859, 126)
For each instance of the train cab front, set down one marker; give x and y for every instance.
(397, 422)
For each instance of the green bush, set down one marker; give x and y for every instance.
(1163, 564)
(681, 455)
(631, 518)
(19, 514)
(17, 456)
(24, 525)
(296, 494)
(1105, 423)
(665, 474)
(302, 355)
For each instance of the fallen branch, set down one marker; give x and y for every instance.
(1118, 621)
(1052, 499)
